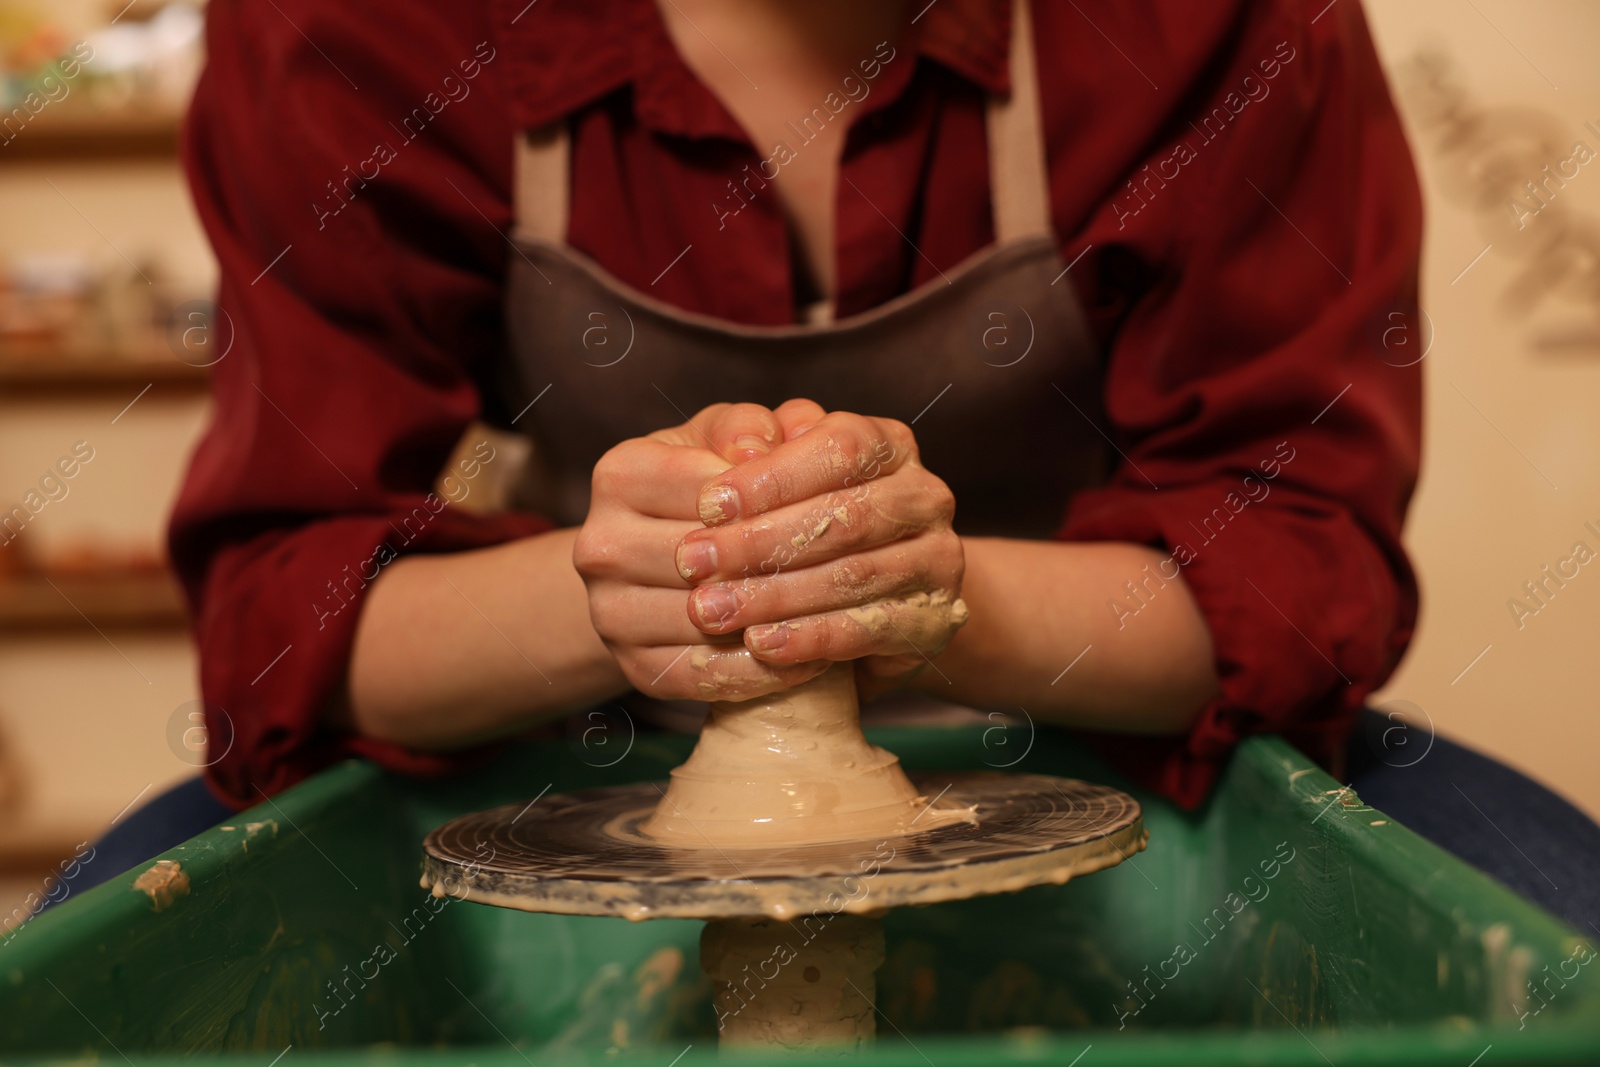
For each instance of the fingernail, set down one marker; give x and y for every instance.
(719, 505)
(715, 605)
(747, 446)
(697, 560)
(767, 638)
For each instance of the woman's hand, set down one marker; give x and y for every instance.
(645, 499)
(835, 545)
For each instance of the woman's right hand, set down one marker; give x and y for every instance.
(644, 499)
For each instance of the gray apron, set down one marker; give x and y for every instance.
(992, 363)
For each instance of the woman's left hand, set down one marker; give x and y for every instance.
(836, 545)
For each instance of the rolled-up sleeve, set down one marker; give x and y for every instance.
(353, 310)
(1264, 391)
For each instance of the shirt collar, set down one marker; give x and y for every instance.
(971, 37)
(564, 54)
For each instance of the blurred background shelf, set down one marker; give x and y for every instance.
(90, 372)
(34, 852)
(129, 600)
(93, 139)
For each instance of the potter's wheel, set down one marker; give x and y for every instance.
(789, 833)
(583, 854)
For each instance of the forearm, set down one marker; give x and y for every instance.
(1036, 605)
(459, 648)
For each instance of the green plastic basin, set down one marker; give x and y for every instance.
(1286, 923)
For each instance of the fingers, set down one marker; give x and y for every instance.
(744, 431)
(820, 577)
(739, 432)
(710, 672)
(838, 451)
(628, 614)
(682, 434)
(797, 416)
(655, 477)
(920, 624)
(663, 655)
(818, 530)
(736, 432)
(925, 565)
(877, 675)
(630, 548)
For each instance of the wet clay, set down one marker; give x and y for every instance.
(925, 620)
(786, 985)
(792, 768)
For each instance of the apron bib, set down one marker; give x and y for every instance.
(984, 364)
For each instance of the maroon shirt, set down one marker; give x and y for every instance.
(1228, 179)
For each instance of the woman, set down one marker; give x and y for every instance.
(1109, 309)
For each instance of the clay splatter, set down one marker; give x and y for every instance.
(163, 883)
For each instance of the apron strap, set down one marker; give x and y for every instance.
(1018, 179)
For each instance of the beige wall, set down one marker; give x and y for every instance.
(93, 729)
(1486, 519)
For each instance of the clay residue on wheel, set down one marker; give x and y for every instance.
(582, 854)
(163, 883)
